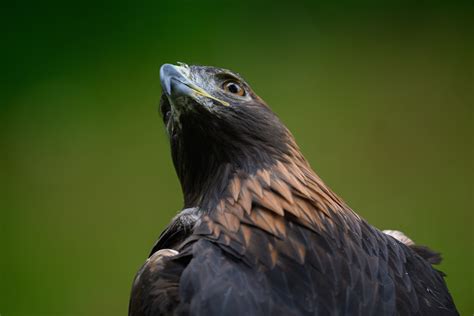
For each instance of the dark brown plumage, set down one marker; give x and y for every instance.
(261, 234)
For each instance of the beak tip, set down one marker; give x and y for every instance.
(167, 72)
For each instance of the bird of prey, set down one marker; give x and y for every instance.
(260, 233)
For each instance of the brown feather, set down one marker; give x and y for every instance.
(254, 186)
(246, 233)
(234, 188)
(283, 189)
(229, 221)
(271, 202)
(245, 200)
(236, 209)
(268, 221)
(264, 176)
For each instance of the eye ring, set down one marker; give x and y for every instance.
(233, 87)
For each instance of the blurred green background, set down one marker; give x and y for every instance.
(379, 96)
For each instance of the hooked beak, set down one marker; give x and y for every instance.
(175, 81)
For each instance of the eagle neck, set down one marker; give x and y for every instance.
(287, 188)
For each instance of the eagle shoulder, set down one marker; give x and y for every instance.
(155, 290)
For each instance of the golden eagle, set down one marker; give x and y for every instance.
(260, 233)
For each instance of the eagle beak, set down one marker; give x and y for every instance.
(175, 81)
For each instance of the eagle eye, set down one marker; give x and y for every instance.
(233, 87)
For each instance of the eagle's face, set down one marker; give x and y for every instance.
(215, 121)
(194, 90)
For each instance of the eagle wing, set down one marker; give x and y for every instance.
(372, 274)
(268, 256)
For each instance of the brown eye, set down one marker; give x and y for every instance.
(234, 88)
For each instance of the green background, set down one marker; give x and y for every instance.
(379, 96)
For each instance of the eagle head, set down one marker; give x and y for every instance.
(217, 126)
